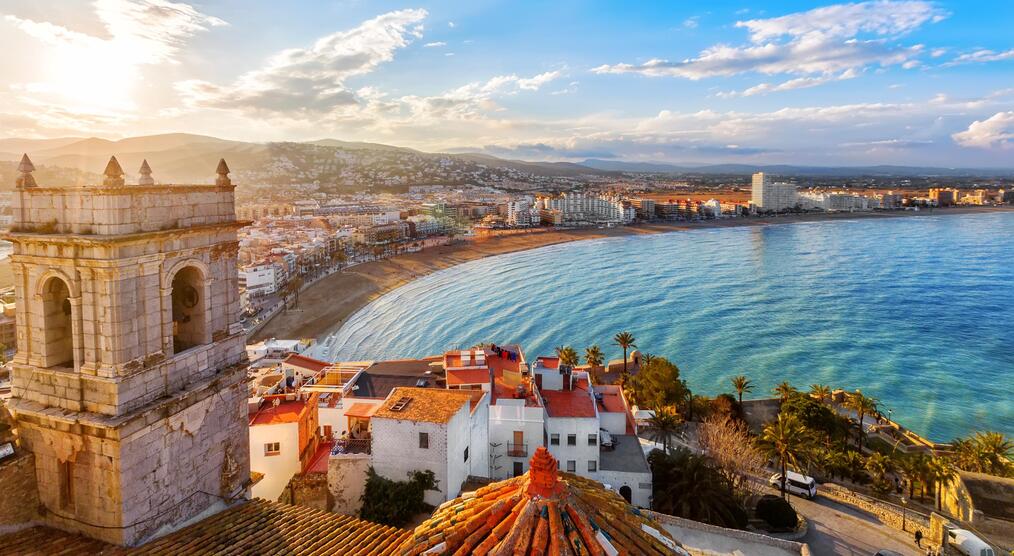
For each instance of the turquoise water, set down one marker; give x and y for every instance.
(915, 311)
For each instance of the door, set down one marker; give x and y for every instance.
(625, 493)
(519, 468)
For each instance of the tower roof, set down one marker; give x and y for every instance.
(113, 169)
(145, 169)
(26, 164)
(543, 511)
(223, 168)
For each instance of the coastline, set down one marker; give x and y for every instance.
(326, 305)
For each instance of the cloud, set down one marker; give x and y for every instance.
(436, 44)
(995, 132)
(473, 100)
(824, 41)
(691, 22)
(982, 56)
(311, 81)
(796, 83)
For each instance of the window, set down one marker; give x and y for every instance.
(466, 454)
(57, 331)
(188, 309)
(592, 466)
(593, 439)
(272, 449)
(571, 440)
(571, 466)
(554, 440)
(424, 440)
(66, 484)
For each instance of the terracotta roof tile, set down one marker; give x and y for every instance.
(430, 405)
(541, 512)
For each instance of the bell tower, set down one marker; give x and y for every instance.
(129, 384)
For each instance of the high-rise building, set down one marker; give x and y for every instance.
(129, 384)
(772, 196)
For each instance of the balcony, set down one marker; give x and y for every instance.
(517, 450)
(351, 446)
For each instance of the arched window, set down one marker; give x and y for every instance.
(189, 309)
(625, 493)
(58, 335)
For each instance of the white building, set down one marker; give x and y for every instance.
(580, 208)
(522, 213)
(262, 279)
(837, 201)
(283, 438)
(441, 430)
(772, 196)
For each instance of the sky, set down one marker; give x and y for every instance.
(809, 83)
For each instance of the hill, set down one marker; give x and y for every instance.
(790, 170)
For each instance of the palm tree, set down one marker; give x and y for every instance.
(942, 474)
(689, 485)
(787, 440)
(626, 341)
(647, 359)
(994, 453)
(821, 392)
(291, 288)
(741, 384)
(593, 356)
(663, 425)
(784, 390)
(567, 355)
(863, 405)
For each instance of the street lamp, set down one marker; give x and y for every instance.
(904, 507)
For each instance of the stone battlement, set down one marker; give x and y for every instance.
(120, 210)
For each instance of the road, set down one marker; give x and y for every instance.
(843, 530)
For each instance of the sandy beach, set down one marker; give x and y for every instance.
(324, 306)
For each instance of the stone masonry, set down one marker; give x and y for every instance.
(129, 380)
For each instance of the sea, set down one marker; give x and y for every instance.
(917, 312)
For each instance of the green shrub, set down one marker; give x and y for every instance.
(395, 503)
(776, 512)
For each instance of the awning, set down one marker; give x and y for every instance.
(361, 410)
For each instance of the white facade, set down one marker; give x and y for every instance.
(398, 449)
(574, 442)
(262, 279)
(522, 213)
(577, 208)
(837, 201)
(507, 418)
(772, 196)
(278, 466)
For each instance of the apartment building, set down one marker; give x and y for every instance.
(772, 196)
(283, 440)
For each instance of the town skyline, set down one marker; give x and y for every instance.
(904, 82)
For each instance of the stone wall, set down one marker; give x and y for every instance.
(346, 482)
(746, 537)
(308, 489)
(889, 514)
(20, 493)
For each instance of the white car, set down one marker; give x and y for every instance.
(797, 484)
(968, 544)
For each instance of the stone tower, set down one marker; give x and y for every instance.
(130, 378)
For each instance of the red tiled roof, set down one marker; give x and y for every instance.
(467, 376)
(308, 363)
(550, 362)
(287, 411)
(568, 403)
(541, 512)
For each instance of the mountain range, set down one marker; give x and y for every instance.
(183, 157)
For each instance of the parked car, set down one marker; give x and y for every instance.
(968, 544)
(797, 484)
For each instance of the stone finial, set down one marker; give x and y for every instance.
(145, 173)
(113, 173)
(25, 169)
(223, 173)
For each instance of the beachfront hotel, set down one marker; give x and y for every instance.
(772, 196)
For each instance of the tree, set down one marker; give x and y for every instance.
(292, 288)
(817, 417)
(941, 473)
(688, 485)
(593, 356)
(646, 359)
(986, 452)
(567, 355)
(787, 440)
(657, 385)
(663, 425)
(626, 341)
(863, 405)
(338, 256)
(395, 503)
(741, 384)
(878, 466)
(784, 390)
(730, 446)
(820, 392)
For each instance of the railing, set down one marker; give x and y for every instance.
(351, 446)
(517, 450)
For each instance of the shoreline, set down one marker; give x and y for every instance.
(322, 311)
